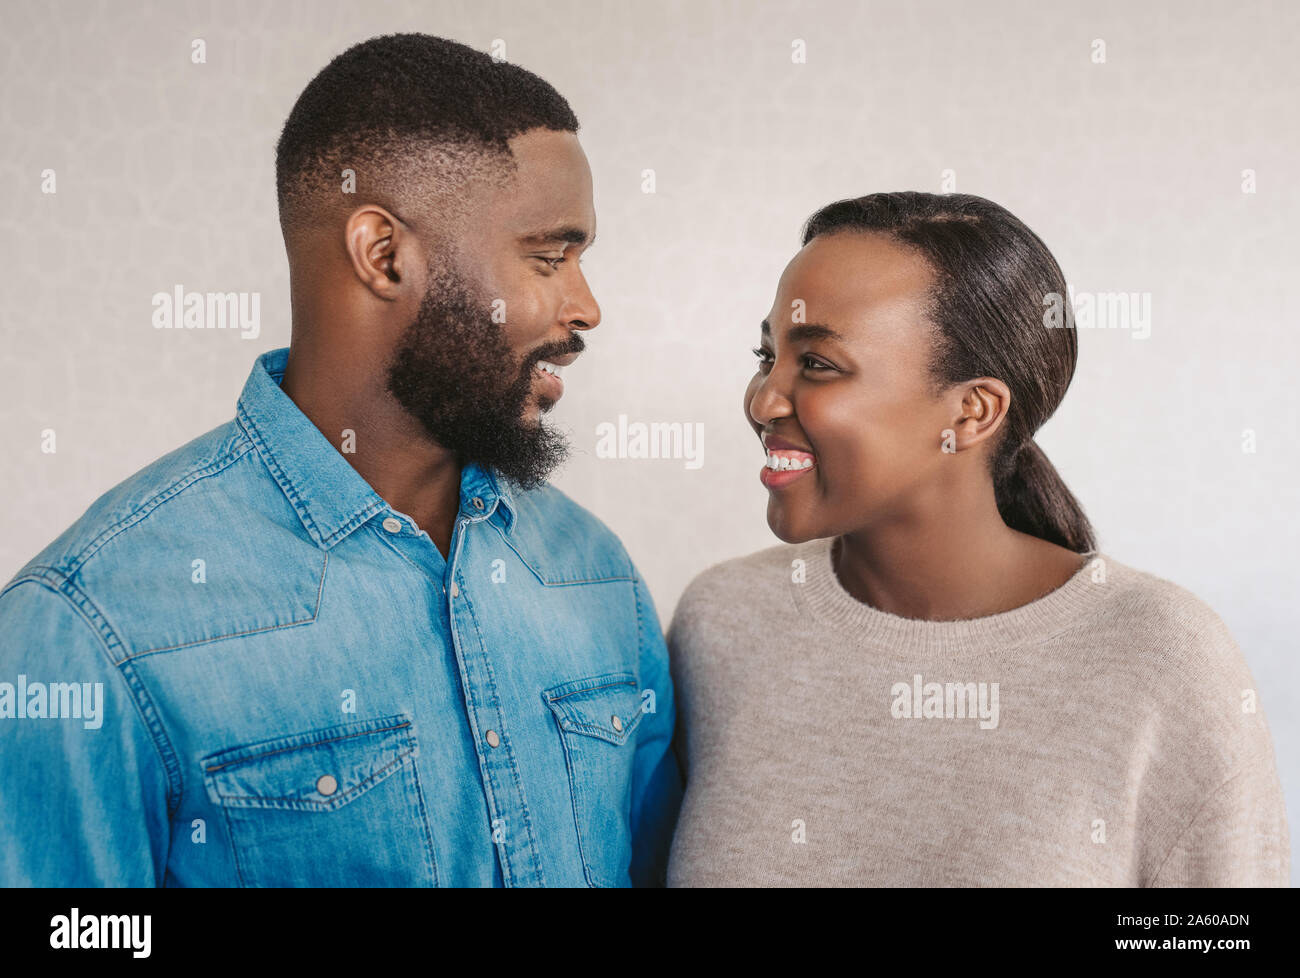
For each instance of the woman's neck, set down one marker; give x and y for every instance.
(956, 569)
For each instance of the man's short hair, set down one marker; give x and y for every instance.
(414, 117)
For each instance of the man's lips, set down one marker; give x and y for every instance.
(549, 384)
(563, 361)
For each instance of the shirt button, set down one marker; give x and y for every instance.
(327, 785)
(492, 739)
(455, 591)
(478, 503)
(618, 724)
(392, 525)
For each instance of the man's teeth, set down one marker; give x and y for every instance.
(549, 367)
(782, 463)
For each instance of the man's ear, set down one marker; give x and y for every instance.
(382, 250)
(981, 410)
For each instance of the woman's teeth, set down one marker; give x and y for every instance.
(782, 462)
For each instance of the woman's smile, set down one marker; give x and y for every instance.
(786, 462)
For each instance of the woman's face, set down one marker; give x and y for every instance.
(842, 378)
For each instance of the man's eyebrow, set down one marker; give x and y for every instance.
(805, 331)
(567, 234)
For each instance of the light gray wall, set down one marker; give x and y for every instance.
(1131, 170)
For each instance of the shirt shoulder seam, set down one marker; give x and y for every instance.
(144, 510)
(60, 584)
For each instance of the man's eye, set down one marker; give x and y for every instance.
(553, 262)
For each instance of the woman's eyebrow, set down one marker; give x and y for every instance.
(805, 331)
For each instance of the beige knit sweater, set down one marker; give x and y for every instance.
(1107, 734)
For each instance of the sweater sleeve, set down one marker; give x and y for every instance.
(1239, 837)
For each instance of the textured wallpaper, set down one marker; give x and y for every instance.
(1153, 147)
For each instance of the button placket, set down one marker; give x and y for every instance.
(521, 864)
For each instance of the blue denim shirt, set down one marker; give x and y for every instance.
(242, 667)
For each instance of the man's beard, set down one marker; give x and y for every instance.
(454, 372)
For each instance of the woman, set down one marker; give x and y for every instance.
(938, 680)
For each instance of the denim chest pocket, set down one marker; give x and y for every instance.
(339, 806)
(597, 719)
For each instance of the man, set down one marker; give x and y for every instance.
(353, 637)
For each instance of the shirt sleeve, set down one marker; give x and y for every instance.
(83, 798)
(656, 779)
(1239, 837)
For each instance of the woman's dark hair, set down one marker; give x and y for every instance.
(992, 279)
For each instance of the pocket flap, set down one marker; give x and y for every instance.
(608, 707)
(319, 770)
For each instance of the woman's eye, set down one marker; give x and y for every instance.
(765, 360)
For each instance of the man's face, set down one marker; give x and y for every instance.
(512, 295)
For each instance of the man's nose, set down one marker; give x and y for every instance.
(581, 311)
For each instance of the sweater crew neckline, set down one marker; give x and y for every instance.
(824, 598)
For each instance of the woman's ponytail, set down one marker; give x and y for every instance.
(1033, 498)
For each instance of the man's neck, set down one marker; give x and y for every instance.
(385, 446)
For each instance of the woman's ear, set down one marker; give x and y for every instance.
(983, 406)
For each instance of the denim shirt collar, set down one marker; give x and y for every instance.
(329, 496)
